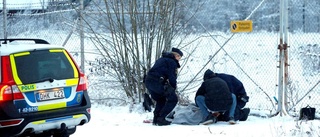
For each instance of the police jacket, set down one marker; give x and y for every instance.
(236, 87)
(166, 67)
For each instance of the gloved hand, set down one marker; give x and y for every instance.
(168, 89)
(244, 98)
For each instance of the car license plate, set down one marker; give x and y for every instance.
(50, 94)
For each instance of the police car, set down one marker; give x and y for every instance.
(42, 90)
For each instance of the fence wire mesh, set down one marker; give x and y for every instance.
(251, 57)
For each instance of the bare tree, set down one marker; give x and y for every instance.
(131, 35)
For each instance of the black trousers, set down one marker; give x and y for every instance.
(166, 100)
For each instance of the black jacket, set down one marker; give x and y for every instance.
(236, 87)
(216, 92)
(166, 67)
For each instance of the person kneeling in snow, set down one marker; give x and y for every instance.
(236, 87)
(214, 97)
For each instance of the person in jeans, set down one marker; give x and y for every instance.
(161, 82)
(237, 88)
(214, 97)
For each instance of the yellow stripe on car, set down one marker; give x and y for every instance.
(75, 72)
(77, 116)
(14, 67)
(21, 54)
(58, 119)
(56, 50)
(71, 82)
(39, 122)
(52, 106)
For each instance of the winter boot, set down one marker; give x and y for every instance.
(155, 117)
(244, 113)
(161, 121)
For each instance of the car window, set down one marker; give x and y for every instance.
(42, 64)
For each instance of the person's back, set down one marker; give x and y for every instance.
(217, 97)
(214, 96)
(236, 87)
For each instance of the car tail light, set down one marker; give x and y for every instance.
(83, 83)
(16, 92)
(11, 122)
(5, 93)
(8, 88)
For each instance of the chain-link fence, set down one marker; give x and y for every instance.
(252, 57)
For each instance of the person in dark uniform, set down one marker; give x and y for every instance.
(214, 97)
(161, 82)
(236, 87)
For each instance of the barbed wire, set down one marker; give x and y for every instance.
(39, 5)
(43, 3)
(44, 13)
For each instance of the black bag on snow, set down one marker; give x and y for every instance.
(307, 113)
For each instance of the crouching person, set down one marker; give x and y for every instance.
(214, 97)
(237, 88)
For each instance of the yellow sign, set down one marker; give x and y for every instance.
(241, 26)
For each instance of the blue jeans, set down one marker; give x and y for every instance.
(205, 111)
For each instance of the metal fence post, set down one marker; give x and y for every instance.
(283, 58)
(82, 36)
(4, 9)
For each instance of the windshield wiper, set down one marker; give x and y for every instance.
(43, 80)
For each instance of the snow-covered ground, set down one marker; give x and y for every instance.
(262, 57)
(123, 121)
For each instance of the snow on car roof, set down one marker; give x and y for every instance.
(6, 49)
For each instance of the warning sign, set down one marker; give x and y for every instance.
(241, 26)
